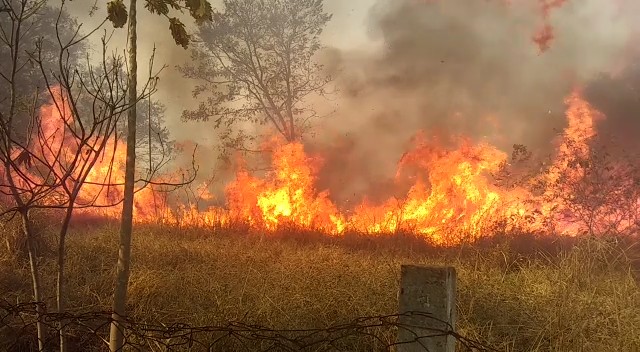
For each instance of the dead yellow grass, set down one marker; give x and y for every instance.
(584, 297)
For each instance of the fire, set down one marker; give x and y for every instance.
(286, 196)
(457, 196)
(566, 170)
(454, 195)
(59, 156)
(452, 200)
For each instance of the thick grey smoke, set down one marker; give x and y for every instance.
(462, 67)
(448, 67)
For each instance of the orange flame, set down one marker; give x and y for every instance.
(59, 155)
(287, 196)
(457, 196)
(454, 196)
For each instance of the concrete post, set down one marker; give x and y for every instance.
(431, 291)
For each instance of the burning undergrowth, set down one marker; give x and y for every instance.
(458, 194)
(444, 192)
(455, 181)
(455, 194)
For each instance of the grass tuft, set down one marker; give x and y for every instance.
(521, 293)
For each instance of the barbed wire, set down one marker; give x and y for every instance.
(86, 331)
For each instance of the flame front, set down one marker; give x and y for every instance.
(60, 154)
(286, 197)
(455, 195)
(455, 203)
(457, 200)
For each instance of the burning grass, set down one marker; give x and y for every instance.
(516, 293)
(454, 192)
(282, 254)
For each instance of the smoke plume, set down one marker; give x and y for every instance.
(461, 68)
(448, 67)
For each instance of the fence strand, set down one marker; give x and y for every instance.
(85, 332)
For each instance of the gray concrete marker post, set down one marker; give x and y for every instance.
(432, 291)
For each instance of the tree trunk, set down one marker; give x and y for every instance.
(61, 295)
(116, 338)
(35, 277)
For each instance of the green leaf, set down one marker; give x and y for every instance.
(157, 6)
(200, 10)
(178, 32)
(117, 13)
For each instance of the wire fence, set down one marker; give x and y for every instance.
(88, 332)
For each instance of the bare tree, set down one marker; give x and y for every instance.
(117, 14)
(45, 166)
(18, 14)
(596, 193)
(255, 63)
(588, 186)
(89, 136)
(48, 164)
(44, 32)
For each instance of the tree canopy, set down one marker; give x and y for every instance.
(255, 63)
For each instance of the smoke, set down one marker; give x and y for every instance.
(461, 67)
(447, 67)
(618, 98)
(173, 90)
(154, 40)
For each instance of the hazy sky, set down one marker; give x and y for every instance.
(587, 40)
(346, 31)
(454, 66)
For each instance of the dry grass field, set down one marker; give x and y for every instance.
(515, 294)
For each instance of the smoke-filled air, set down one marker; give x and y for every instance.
(208, 133)
(452, 120)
